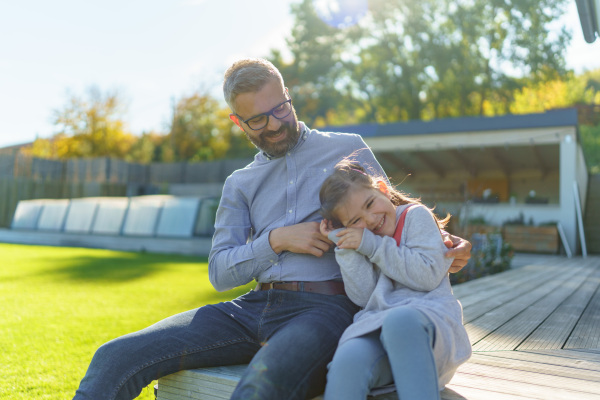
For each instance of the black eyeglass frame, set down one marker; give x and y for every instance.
(268, 114)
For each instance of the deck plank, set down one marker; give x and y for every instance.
(505, 283)
(587, 331)
(497, 385)
(471, 288)
(554, 331)
(492, 320)
(463, 392)
(549, 358)
(514, 380)
(511, 334)
(528, 264)
(510, 291)
(538, 363)
(471, 291)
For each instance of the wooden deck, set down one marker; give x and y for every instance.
(535, 331)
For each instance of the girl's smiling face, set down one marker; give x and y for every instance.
(368, 208)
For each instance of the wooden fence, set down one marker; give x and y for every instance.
(23, 178)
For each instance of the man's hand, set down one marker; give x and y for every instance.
(300, 238)
(460, 249)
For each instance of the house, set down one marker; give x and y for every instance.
(529, 167)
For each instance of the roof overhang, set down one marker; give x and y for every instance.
(500, 152)
(474, 145)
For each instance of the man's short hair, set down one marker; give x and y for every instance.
(248, 75)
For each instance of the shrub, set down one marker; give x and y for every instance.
(490, 255)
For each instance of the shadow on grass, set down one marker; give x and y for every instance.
(118, 266)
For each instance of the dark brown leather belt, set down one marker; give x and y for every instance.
(322, 287)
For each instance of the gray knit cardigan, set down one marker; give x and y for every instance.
(381, 275)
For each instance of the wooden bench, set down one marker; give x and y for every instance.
(218, 383)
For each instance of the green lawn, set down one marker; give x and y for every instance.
(57, 305)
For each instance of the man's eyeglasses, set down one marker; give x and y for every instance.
(259, 121)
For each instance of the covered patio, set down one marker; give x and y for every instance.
(494, 169)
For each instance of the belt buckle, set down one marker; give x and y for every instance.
(271, 285)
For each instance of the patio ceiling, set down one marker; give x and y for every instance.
(506, 160)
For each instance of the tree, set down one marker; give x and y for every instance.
(421, 60)
(89, 126)
(315, 48)
(93, 126)
(201, 131)
(590, 138)
(146, 148)
(556, 93)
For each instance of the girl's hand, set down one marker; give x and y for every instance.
(350, 238)
(325, 227)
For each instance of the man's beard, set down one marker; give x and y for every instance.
(277, 149)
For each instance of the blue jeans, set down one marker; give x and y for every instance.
(401, 352)
(288, 338)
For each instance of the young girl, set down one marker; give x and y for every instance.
(410, 329)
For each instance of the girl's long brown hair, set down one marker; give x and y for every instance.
(349, 174)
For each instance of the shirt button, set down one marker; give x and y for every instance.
(324, 169)
(291, 182)
(276, 264)
(290, 211)
(271, 261)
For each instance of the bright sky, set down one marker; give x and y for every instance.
(151, 51)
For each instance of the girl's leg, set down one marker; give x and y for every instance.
(408, 337)
(358, 365)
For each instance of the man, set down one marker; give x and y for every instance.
(267, 230)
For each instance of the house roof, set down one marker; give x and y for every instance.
(551, 118)
(14, 149)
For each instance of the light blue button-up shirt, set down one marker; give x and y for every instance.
(274, 192)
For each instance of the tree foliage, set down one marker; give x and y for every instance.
(590, 138)
(93, 126)
(147, 148)
(403, 60)
(421, 60)
(316, 48)
(88, 126)
(201, 131)
(555, 93)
